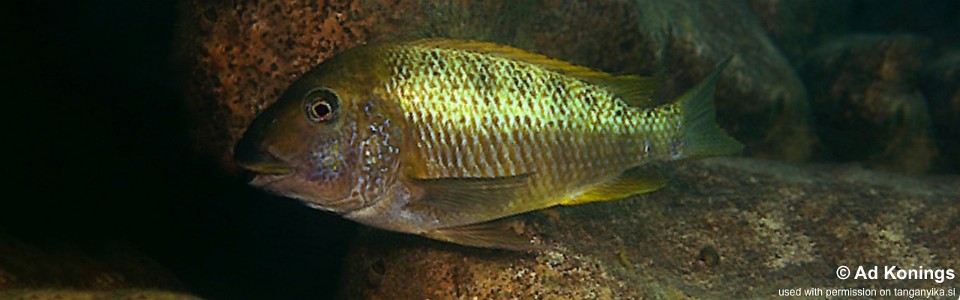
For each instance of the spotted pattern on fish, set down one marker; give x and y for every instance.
(379, 150)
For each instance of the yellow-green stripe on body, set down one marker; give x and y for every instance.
(444, 137)
(481, 116)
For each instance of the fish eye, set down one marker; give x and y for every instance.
(321, 105)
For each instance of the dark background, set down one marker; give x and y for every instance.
(95, 119)
(97, 148)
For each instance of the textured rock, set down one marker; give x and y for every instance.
(242, 55)
(723, 228)
(867, 102)
(941, 86)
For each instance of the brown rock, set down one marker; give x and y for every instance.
(867, 103)
(723, 228)
(242, 55)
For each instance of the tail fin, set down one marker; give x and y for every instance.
(701, 135)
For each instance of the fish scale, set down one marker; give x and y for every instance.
(442, 137)
(559, 115)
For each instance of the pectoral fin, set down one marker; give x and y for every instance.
(501, 234)
(632, 182)
(474, 198)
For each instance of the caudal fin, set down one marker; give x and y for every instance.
(702, 136)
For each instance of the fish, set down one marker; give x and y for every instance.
(447, 138)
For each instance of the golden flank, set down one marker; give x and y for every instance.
(442, 138)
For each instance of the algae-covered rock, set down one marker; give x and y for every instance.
(723, 228)
(241, 55)
(867, 102)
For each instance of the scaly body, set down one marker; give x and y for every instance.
(445, 134)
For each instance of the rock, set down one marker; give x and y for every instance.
(241, 56)
(85, 294)
(934, 19)
(64, 269)
(799, 26)
(941, 86)
(760, 100)
(867, 103)
(723, 228)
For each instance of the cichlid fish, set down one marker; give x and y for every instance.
(439, 137)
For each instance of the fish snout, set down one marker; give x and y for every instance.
(249, 154)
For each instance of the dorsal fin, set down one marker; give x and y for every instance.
(633, 89)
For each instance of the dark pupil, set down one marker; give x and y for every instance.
(322, 106)
(321, 109)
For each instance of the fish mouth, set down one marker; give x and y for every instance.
(266, 173)
(262, 167)
(261, 180)
(271, 168)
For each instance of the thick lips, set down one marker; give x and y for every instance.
(262, 163)
(262, 180)
(266, 173)
(267, 168)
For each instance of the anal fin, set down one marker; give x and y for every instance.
(631, 182)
